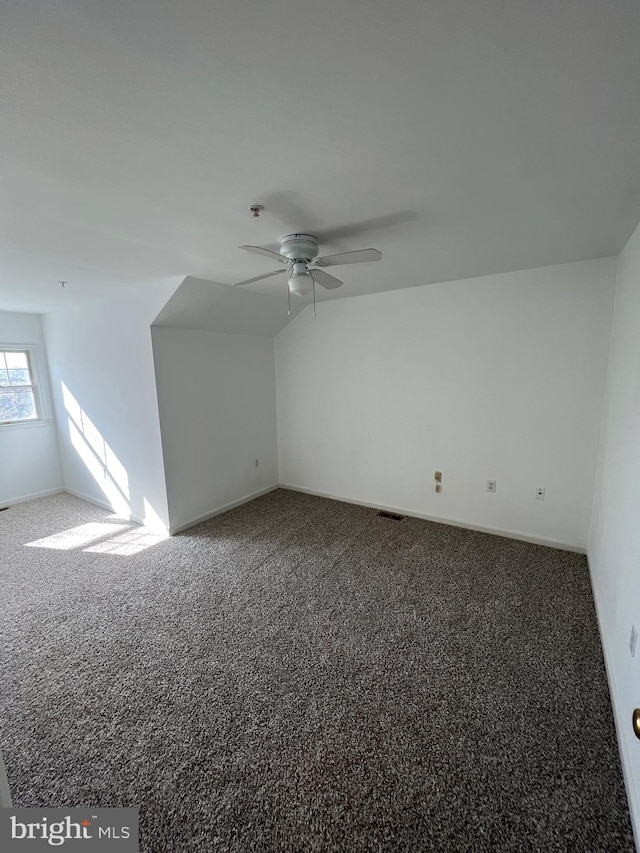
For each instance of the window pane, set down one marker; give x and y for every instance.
(17, 359)
(17, 404)
(4, 378)
(19, 376)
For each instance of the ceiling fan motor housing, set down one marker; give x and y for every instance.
(299, 247)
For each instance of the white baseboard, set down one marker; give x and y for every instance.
(179, 528)
(622, 721)
(102, 503)
(494, 531)
(509, 534)
(31, 497)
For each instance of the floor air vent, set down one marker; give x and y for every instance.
(392, 515)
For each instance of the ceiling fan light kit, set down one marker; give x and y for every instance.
(300, 253)
(301, 281)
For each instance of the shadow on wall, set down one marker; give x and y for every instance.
(102, 463)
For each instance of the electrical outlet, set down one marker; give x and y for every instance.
(257, 463)
(491, 485)
(540, 494)
(633, 641)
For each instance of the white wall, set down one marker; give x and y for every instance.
(29, 453)
(104, 391)
(216, 396)
(500, 377)
(614, 539)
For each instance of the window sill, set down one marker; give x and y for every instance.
(40, 422)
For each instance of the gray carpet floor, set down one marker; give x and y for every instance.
(302, 675)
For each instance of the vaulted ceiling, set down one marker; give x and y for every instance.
(459, 137)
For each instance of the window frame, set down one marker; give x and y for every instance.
(41, 419)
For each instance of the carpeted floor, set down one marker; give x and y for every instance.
(302, 675)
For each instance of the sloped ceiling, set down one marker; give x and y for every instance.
(459, 137)
(215, 307)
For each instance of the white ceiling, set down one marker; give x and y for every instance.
(459, 137)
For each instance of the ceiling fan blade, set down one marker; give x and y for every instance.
(258, 250)
(324, 279)
(258, 278)
(359, 257)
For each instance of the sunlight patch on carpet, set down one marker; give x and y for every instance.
(76, 537)
(126, 544)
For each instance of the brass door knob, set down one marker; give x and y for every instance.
(636, 722)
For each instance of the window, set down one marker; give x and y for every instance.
(18, 393)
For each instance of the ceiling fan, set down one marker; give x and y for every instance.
(304, 268)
